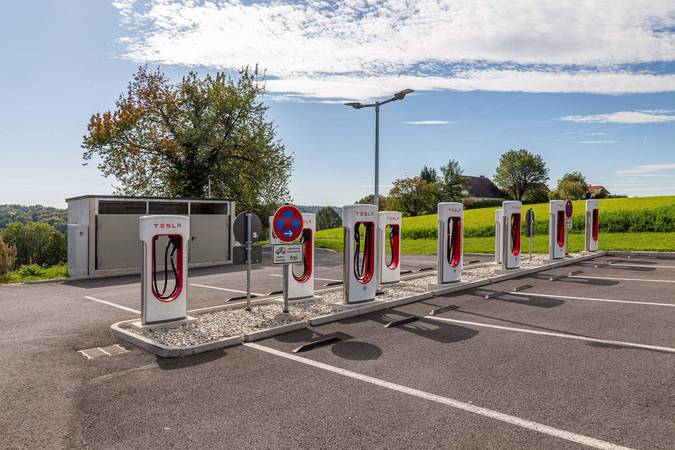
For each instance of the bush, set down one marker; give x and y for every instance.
(472, 203)
(36, 243)
(31, 270)
(7, 259)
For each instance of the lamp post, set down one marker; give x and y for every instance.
(376, 195)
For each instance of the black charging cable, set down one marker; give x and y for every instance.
(173, 245)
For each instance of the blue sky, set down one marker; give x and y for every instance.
(589, 87)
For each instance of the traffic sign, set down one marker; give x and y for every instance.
(568, 208)
(287, 253)
(287, 223)
(239, 227)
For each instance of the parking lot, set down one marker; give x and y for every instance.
(578, 356)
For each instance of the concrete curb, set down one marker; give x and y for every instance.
(347, 314)
(166, 351)
(274, 331)
(515, 274)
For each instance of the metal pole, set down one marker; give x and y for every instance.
(376, 196)
(249, 249)
(209, 178)
(285, 289)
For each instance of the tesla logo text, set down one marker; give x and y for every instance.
(168, 225)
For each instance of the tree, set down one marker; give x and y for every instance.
(452, 182)
(600, 193)
(519, 171)
(572, 186)
(368, 200)
(166, 139)
(327, 217)
(413, 196)
(429, 174)
(36, 243)
(7, 259)
(538, 194)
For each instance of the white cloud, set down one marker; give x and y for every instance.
(432, 44)
(598, 142)
(429, 122)
(645, 169)
(624, 117)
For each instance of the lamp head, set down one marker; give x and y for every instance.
(401, 95)
(355, 105)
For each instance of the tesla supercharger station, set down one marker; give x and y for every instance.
(301, 276)
(165, 268)
(359, 228)
(557, 234)
(450, 242)
(592, 225)
(390, 236)
(511, 231)
(499, 251)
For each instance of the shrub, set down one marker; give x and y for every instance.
(7, 259)
(36, 243)
(31, 270)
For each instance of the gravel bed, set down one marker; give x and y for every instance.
(235, 322)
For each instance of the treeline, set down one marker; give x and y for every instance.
(58, 218)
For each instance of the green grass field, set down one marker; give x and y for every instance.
(485, 217)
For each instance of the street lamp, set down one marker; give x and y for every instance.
(376, 197)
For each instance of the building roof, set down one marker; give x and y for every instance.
(133, 197)
(483, 187)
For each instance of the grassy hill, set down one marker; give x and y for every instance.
(646, 223)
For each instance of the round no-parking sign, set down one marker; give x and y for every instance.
(568, 208)
(287, 223)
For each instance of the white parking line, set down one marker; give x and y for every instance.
(619, 279)
(114, 305)
(468, 407)
(278, 275)
(641, 265)
(590, 299)
(560, 335)
(223, 289)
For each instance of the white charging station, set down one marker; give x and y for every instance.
(164, 272)
(499, 249)
(557, 233)
(511, 233)
(592, 225)
(301, 276)
(450, 242)
(390, 236)
(359, 228)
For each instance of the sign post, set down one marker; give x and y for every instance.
(569, 209)
(287, 227)
(247, 228)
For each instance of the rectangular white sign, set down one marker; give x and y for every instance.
(287, 253)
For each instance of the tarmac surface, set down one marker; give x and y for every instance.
(579, 356)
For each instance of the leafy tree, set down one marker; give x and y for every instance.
(413, 196)
(7, 259)
(429, 174)
(572, 186)
(327, 217)
(519, 171)
(368, 200)
(452, 182)
(166, 139)
(538, 194)
(36, 243)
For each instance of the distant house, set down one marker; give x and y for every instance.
(596, 192)
(482, 188)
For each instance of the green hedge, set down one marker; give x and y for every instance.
(657, 220)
